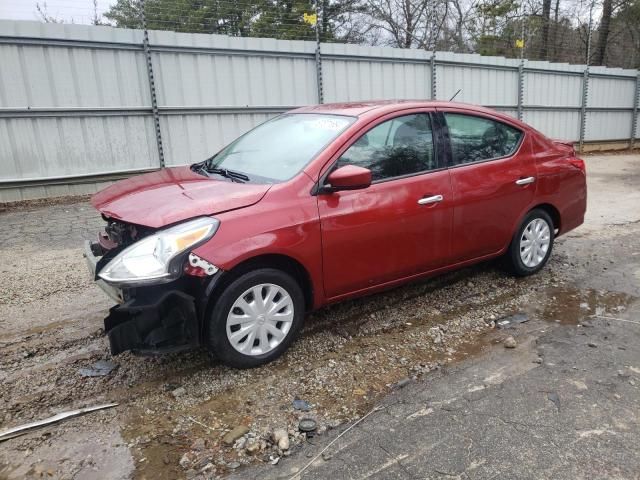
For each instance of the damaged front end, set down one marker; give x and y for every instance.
(158, 322)
(160, 286)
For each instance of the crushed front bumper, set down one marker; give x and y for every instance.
(167, 323)
(92, 262)
(155, 318)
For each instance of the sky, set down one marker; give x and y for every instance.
(78, 11)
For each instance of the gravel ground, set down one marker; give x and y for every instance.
(181, 416)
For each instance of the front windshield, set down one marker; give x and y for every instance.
(279, 148)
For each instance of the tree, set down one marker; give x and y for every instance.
(265, 18)
(546, 20)
(496, 30)
(283, 19)
(623, 43)
(556, 12)
(342, 20)
(409, 23)
(43, 14)
(195, 16)
(603, 32)
(553, 29)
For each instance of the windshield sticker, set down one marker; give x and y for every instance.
(331, 124)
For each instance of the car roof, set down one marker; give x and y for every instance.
(376, 108)
(359, 108)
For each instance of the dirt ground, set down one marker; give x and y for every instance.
(174, 411)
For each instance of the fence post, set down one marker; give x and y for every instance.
(318, 56)
(520, 88)
(583, 107)
(433, 76)
(152, 84)
(634, 120)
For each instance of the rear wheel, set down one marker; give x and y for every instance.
(256, 318)
(531, 246)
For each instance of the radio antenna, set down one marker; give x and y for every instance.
(455, 95)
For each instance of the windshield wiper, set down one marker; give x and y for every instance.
(199, 168)
(231, 174)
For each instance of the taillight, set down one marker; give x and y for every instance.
(578, 163)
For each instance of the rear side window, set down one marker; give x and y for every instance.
(474, 139)
(397, 147)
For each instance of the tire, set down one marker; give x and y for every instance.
(238, 314)
(529, 265)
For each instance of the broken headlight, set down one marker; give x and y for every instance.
(151, 260)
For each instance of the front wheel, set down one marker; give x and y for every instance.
(531, 246)
(256, 318)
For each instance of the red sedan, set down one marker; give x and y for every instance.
(322, 204)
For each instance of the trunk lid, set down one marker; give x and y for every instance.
(566, 146)
(172, 195)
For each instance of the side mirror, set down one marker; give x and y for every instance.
(348, 177)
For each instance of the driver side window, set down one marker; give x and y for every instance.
(397, 147)
(474, 139)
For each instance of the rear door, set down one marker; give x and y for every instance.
(401, 224)
(493, 177)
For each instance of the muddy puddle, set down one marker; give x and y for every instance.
(571, 306)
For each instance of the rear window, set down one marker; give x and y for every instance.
(475, 139)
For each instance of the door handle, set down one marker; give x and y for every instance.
(432, 199)
(525, 181)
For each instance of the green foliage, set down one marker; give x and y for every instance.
(283, 19)
(495, 9)
(264, 18)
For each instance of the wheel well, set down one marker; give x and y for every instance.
(280, 262)
(553, 213)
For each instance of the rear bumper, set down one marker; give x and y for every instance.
(155, 318)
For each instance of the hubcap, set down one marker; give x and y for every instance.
(260, 319)
(534, 242)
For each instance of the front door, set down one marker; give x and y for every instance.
(493, 179)
(400, 225)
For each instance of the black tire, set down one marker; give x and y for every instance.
(513, 259)
(216, 335)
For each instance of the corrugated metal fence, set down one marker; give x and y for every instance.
(76, 101)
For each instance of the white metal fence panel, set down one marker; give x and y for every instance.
(354, 73)
(559, 125)
(73, 105)
(79, 66)
(552, 89)
(611, 92)
(194, 137)
(214, 71)
(490, 81)
(75, 101)
(608, 125)
(40, 148)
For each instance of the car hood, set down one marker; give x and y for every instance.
(171, 195)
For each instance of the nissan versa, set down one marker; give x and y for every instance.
(318, 205)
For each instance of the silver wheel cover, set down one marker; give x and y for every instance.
(260, 319)
(535, 242)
